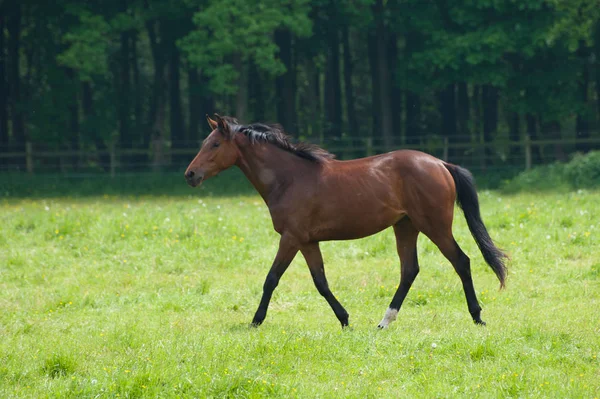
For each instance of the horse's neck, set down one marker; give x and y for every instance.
(269, 168)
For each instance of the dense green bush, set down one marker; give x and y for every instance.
(582, 171)
(545, 177)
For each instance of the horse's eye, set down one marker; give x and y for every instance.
(216, 144)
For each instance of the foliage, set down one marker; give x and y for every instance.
(582, 171)
(242, 28)
(91, 75)
(576, 22)
(546, 177)
(87, 46)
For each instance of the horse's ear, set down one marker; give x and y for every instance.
(212, 123)
(223, 126)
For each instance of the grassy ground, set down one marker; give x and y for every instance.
(142, 295)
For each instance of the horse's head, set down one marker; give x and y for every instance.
(218, 152)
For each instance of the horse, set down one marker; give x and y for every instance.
(313, 197)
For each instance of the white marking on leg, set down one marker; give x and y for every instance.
(390, 315)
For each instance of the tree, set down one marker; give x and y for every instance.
(245, 29)
(115, 75)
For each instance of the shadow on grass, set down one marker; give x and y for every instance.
(22, 185)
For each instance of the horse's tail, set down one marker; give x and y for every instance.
(466, 198)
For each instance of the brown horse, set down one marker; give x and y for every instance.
(313, 198)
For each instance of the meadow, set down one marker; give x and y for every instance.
(146, 288)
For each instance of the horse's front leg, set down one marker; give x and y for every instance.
(285, 254)
(314, 259)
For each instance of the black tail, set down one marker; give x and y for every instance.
(466, 198)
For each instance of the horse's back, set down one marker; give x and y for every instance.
(417, 183)
(410, 166)
(428, 171)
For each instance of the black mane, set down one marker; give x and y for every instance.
(274, 134)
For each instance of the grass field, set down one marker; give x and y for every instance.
(150, 295)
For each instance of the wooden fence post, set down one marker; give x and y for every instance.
(29, 156)
(527, 152)
(158, 153)
(369, 146)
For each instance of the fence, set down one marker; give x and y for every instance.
(164, 155)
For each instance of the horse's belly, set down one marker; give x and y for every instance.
(350, 229)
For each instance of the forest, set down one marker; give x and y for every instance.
(134, 79)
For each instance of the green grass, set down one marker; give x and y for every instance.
(140, 295)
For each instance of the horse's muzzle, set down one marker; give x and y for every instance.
(194, 179)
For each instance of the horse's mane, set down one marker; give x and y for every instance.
(274, 134)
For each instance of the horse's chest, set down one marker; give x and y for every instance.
(280, 218)
(291, 220)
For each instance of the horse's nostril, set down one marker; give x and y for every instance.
(189, 174)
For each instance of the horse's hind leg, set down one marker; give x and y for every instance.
(462, 264)
(406, 244)
(314, 259)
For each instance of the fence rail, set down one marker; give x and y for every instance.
(161, 155)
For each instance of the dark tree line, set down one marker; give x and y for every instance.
(141, 74)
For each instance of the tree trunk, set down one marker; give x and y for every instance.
(375, 89)
(476, 104)
(412, 129)
(514, 125)
(349, 89)
(536, 154)
(313, 98)
(396, 95)
(3, 90)
(413, 119)
(463, 112)
(333, 90)
(156, 116)
(395, 88)
(176, 123)
(256, 93)
(241, 98)
(447, 101)
(138, 91)
(208, 100)
(489, 97)
(124, 90)
(87, 105)
(582, 124)
(285, 84)
(74, 126)
(194, 103)
(597, 68)
(383, 75)
(14, 76)
(552, 130)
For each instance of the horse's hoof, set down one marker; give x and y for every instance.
(480, 322)
(255, 324)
